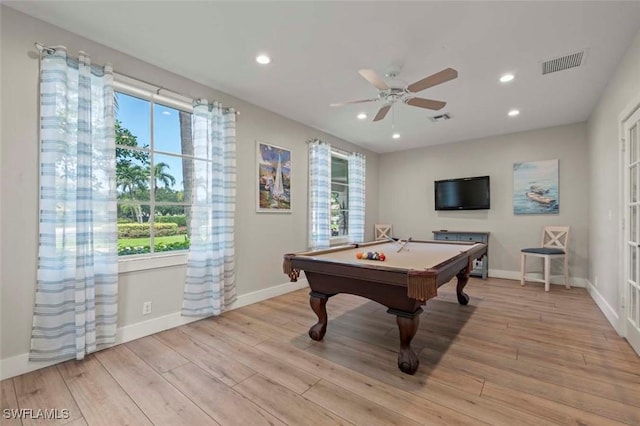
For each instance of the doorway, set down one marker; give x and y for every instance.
(630, 291)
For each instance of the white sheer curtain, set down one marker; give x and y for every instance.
(75, 309)
(357, 191)
(319, 194)
(210, 281)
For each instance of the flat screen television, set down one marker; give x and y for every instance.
(471, 193)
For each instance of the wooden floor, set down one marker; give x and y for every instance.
(513, 356)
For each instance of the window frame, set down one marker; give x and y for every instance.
(139, 89)
(342, 239)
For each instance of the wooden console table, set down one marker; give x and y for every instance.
(481, 266)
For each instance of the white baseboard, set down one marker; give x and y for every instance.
(20, 364)
(268, 293)
(515, 275)
(609, 312)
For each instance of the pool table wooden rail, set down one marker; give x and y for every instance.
(421, 284)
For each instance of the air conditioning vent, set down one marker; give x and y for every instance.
(563, 63)
(441, 117)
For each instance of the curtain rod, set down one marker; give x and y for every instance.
(50, 50)
(42, 48)
(341, 151)
(333, 148)
(172, 92)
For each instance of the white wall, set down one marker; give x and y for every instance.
(261, 239)
(407, 199)
(604, 168)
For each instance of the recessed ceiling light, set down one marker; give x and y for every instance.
(263, 59)
(362, 116)
(396, 136)
(506, 78)
(513, 112)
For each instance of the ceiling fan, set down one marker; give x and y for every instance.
(390, 94)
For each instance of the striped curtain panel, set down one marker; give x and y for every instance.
(76, 293)
(319, 194)
(210, 282)
(357, 178)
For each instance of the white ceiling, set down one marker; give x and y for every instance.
(318, 48)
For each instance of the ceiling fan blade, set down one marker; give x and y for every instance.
(426, 103)
(433, 80)
(353, 102)
(373, 78)
(382, 113)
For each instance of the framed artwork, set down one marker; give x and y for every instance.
(535, 187)
(273, 178)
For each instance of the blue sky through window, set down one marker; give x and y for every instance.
(133, 114)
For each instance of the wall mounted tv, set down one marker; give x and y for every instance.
(471, 193)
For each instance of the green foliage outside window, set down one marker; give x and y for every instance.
(144, 182)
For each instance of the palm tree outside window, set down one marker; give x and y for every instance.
(154, 168)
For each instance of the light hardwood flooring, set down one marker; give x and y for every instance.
(514, 356)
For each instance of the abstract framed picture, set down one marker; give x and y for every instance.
(535, 187)
(273, 178)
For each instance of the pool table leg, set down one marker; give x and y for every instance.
(318, 302)
(407, 325)
(463, 278)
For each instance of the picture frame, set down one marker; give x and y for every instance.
(536, 187)
(273, 178)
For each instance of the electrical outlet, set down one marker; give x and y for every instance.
(146, 308)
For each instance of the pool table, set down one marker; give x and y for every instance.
(408, 277)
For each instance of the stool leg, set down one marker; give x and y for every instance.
(523, 264)
(547, 271)
(566, 272)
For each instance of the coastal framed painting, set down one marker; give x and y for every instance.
(273, 186)
(535, 187)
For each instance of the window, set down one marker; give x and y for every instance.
(339, 196)
(154, 169)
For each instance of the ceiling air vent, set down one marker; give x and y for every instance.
(563, 63)
(442, 117)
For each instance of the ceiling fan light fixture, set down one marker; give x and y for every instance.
(389, 95)
(362, 116)
(506, 78)
(513, 112)
(396, 136)
(263, 59)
